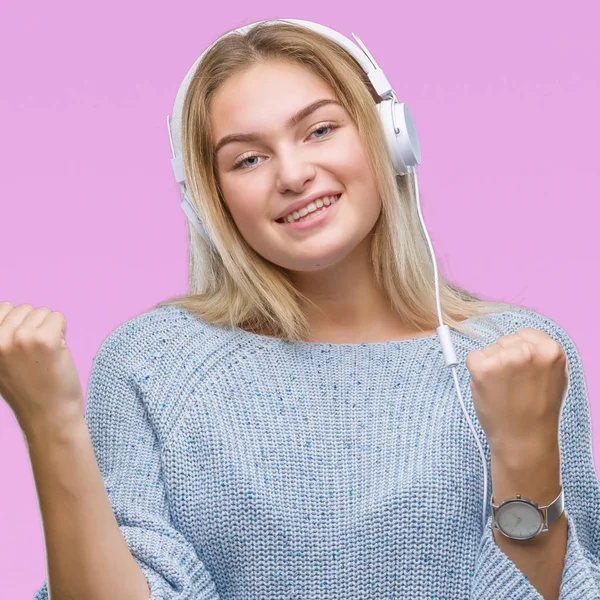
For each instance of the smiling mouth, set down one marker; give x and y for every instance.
(284, 220)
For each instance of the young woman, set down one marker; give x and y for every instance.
(289, 429)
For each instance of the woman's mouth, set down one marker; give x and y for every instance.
(317, 215)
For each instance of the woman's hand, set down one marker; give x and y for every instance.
(518, 386)
(38, 379)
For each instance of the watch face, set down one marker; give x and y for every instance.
(519, 520)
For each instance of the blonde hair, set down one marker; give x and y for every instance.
(236, 286)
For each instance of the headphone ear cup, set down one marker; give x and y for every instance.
(194, 219)
(403, 146)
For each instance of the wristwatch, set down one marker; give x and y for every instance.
(522, 519)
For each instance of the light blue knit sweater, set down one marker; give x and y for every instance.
(243, 467)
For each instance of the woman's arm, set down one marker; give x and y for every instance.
(501, 574)
(536, 475)
(112, 471)
(86, 554)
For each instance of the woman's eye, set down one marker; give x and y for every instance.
(322, 127)
(239, 163)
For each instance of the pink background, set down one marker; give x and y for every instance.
(505, 97)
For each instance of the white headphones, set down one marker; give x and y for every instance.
(402, 141)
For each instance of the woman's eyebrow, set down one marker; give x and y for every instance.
(253, 136)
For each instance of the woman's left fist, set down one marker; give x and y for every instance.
(518, 386)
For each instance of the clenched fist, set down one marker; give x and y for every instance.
(518, 386)
(38, 378)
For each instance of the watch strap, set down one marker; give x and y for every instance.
(555, 508)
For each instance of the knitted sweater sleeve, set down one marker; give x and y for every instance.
(129, 457)
(495, 575)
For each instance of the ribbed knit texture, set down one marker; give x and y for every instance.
(243, 467)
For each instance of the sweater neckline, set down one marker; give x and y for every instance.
(248, 335)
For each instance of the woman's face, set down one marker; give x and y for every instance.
(285, 164)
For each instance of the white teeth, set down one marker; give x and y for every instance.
(297, 214)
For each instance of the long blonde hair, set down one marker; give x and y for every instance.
(236, 286)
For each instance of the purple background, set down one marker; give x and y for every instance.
(505, 97)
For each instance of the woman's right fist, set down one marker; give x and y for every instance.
(38, 378)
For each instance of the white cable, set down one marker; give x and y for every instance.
(456, 384)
